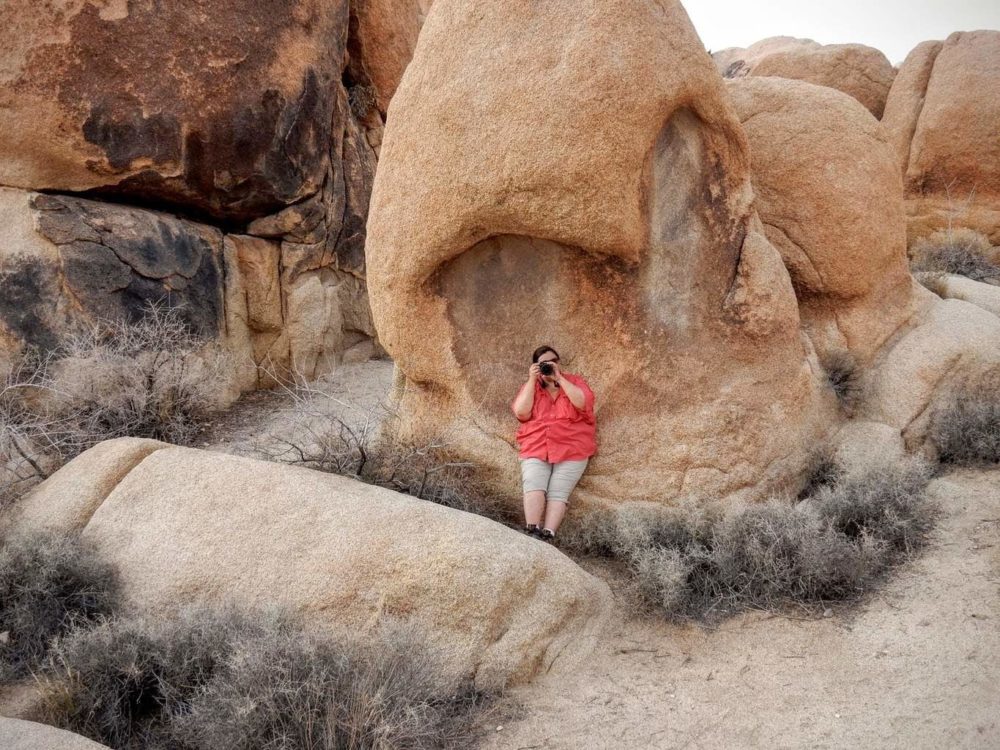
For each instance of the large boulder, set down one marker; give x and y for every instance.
(831, 200)
(187, 527)
(381, 45)
(943, 343)
(16, 734)
(67, 263)
(859, 71)
(978, 293)
(227, 110)
(514, 207)
(942, 121)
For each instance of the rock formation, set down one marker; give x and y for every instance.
(941, 117)
(859, 71)
(831, 200)
(192, 527)
(27, 735)
(513, 208)
(254, 124)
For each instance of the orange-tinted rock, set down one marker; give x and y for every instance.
(859, 71)
(942, 117)
(384, 33)
(225, 109)
(517, 206)
(831, 200)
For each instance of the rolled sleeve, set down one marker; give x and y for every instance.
(586, 414)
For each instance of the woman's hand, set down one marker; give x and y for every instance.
(534, 373)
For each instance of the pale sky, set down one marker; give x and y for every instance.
(893, 26)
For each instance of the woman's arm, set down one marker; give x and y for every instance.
(525, 398)
(574, 393)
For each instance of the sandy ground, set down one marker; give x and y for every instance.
(355, 393)
(917, 666)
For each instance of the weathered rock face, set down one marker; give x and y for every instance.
(227, 111)
(261, 117)
(27, 735)
(68, 261)
(943, 125)
(831, 200)
(986, 296)
(193, 527)
(384, 33)
(859, 71)
(941, 344)
(280, 307)
(512, 208)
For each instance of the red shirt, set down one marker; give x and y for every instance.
(556, 430)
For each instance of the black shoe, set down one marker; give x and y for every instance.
(547, 535)
(532, 530)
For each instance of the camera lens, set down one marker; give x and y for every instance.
(546, 368)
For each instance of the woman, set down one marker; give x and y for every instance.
(556, 439)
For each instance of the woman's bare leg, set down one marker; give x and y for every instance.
(534, 507)
(555, 510)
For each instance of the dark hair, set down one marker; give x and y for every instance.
(540, 351)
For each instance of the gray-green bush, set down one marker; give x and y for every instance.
(233, 681)
(355, 445)
(150, 378)
(695, 563)
(965, 428)
(48, 584)
(956, 251)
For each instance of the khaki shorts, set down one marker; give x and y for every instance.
(555, 480)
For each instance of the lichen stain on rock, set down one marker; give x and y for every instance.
(27, 285)
(125, 135)
(117, 261)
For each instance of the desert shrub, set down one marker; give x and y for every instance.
(956, 251)
(48, 584)
(357, 443)
(698, 563)
(151, 378)
(255, 681)
(822, 470)
(30, 439)
(965, 428)
(843, 375)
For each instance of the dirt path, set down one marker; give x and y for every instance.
(916, 667)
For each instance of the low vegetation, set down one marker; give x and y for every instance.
(843, 375)
(152, 378)
(962, 252)
(965, 428)
(690, 562)
(48, 585)
(253, 681)
(353, 442)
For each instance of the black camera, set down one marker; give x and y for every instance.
(546, 368)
